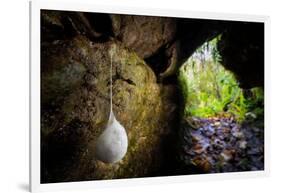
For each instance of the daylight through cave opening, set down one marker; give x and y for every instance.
(219, 117)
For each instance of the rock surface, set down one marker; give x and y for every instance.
(166, 43)
(242, 51)
(75, 66)
(75, 109)
(144, 34)
(221, 144)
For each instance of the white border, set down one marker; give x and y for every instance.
(34, 145)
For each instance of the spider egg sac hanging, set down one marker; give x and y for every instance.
(112, 144)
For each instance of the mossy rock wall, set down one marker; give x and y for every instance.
(75, 77)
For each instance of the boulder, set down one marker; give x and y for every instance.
(75, 77)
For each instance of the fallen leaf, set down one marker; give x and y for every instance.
(202, 163)
(198, 149)
(227, 155)
(242, 144)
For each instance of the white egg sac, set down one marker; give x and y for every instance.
(112, 144)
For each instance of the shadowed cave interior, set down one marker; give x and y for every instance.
(189, 93)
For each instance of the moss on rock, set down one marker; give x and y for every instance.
(75, 109)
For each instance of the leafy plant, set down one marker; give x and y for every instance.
(210, 90)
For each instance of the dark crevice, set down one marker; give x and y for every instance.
(158, 61)
(118, 76)
(127, 80)
(50, 30)
(102, 24)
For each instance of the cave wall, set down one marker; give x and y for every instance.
(75, 108)
(242, 52)
(75, 86)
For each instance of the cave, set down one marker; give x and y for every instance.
(148, 98)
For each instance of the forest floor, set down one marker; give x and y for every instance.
(221, 144)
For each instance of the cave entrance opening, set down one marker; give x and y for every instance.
(223, 124)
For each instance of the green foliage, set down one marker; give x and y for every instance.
(210, 90)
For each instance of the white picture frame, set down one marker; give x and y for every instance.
(36, 6)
